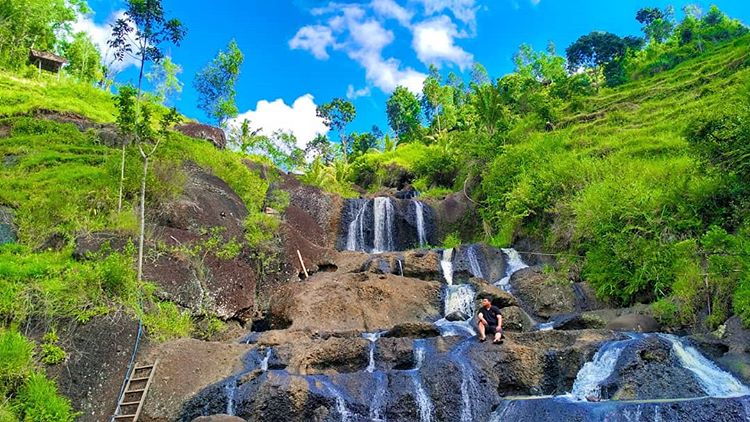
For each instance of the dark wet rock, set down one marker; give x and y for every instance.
(480, 261)
(543, 295)
(532, 252)
(55, 242)
(576, 321)
(456, 213)
(497, 296)
(405, 234)
(8, 228)
(397, 177)
(87, 246)
(307, 356)
(413, 330)
(457, 316)
(647, 369)
(634, 322)
(516, 319)
(586, 297)
(206, 132)
(218, 418)
(97, 361)
(561, 409)
(729, 346)
(610, 314)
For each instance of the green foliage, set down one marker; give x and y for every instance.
(216, 82)
(332, 178)
(39, 401)
(34, 23)
(665, 311)
(52, 354)
(16, 360)
(403, 110)
(84, 59)
(451, 240)
(164, 77)
(164, 321)
(741, 301)
(260, 228)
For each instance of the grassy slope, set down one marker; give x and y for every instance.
(62, 182)
(617, 184)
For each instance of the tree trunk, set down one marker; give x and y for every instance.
(143, 217)
(122, 178)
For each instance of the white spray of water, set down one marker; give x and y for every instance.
(446, 264)
(515, 263)
(421, 236)
(383, 221)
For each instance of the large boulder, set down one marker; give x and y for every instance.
(98, 353)
(634, 323)
(456, 213)
(206, 132)
(729, 346)
(543, 295)
(413, 330)
(497, 296)
(361, 301)
(185, 368)
(516, 319)
(480, 261)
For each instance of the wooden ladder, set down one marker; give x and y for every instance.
(131, 402)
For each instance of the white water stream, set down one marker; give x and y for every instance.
(421, 234)
(383, 224)
(515, 263)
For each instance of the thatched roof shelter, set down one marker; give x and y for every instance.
(47, 61)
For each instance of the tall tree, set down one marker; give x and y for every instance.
(403, 112)
(657, 24)
(139, 35)
(84, 59)
(142, 31)
(601, 49)
(164, 78)
(320, 148)
(216, 82)
(336, 115)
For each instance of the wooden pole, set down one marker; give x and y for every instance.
(299, 255)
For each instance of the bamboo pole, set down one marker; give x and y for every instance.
(299, 255)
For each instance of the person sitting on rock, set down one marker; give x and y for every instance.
(490, 321)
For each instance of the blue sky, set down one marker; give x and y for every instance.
(301, 53)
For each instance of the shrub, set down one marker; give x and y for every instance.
(451, 240)
(741, 301)
(665, 311)
(165, 322)
(16, 360)
(39, 401)
(52, 354)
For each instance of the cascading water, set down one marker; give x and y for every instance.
(446, 264)
(469, 386)
(421, 234)
(715, 382)
(376, 406)
(515, 263)
(588, 381)
(383, 224)
(423, 400)
(231, 391)
(459, 298)
(474, 266)
(340, 401)
(355, 239)
(373, 338)
(266, 358)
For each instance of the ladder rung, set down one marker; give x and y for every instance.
(138, 368)
(130, 403)
(135, 391)
(139, 379)
(124, 416)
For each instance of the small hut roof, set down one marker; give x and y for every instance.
(36, 54)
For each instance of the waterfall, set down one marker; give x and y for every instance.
(376, 407)
(591, 375)
(474, 266)
(469, 390)
(383, 220)
(459, 298)
(400, 267)
(231, 390)
(446, 264)
(715, 382)
(515, 263)
(455, 328)
(355, 239)
(424, 403)
(372, 337)
(419, 207)
(266, 358)
(340, 401)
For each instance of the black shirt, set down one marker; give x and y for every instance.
(490, 315)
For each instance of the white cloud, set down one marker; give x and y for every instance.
(434, 43)
(299, 118)
(100, 34)
(314, 38)
(353, 94)
(463, 10)
(390, 9)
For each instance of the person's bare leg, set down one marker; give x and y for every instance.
(481, 330)
(499, 330)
